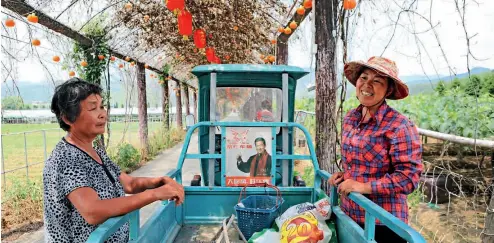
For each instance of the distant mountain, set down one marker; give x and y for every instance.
(30, 92)
(421, 84)
(43, 92)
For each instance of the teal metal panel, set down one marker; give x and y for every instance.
(109, 227)
(134, 225)
(294, 157)
(370, 226)
(203, 156)
(217, 203)
(274, 156)
(223, 156)
(392, 222)
(347, 230)
(239, 71)
(162, 226)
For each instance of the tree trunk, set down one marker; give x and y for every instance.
(282, 52)
(179, 106)
(326, 82)
(488, 234)
(142, 109)
(186, 96)
(195, 106)
(165, 105)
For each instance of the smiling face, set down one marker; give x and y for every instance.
(92, 118)
(260, 147)
(371, 87)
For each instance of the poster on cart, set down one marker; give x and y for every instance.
(248, 155)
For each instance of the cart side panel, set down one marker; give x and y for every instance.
(210, 206)
(348, 230)
(163, 226)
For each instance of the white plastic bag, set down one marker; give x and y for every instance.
(305, 222)
(305, 227)
(265, 236)
(321, 209)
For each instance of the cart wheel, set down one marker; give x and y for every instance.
(298, 181)
(196, 181)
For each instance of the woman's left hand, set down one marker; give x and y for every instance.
(350, 185)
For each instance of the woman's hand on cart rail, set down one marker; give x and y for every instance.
(336, 179)
(170, 191)
(349, 185)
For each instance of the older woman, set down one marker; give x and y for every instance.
(82, 186)
(381, 149)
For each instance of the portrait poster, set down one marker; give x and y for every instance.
(248, 155)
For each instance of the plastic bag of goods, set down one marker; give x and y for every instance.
(305, 223)
(265, 236)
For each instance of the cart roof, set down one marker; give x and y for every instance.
(253, 75)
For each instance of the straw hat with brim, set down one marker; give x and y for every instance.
(384, 67)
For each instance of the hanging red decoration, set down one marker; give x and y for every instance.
(210, 54)
(216, 60)
(200, 38)
(175, 5)
(185, 24)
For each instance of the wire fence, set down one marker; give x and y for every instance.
(24, 153)
(451, 207)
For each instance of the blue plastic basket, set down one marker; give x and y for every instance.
(258, 213)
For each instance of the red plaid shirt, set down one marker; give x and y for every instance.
(386, 151)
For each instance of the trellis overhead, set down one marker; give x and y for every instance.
(148, 31)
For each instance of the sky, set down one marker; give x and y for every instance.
(369, 35)
(374, 29)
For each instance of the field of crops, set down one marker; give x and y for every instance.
(452, 109)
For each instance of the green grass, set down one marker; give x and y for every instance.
(15, 155)
(22, 199)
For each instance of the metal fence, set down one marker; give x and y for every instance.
(24, 153)
(26, 164)
(114, 118)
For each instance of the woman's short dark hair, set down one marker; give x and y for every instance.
(265, 104)
(260, 139)
(66, 101)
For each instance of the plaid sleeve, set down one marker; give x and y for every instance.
(406, 159)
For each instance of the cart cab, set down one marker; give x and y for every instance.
(245, 129)
(247, 93)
